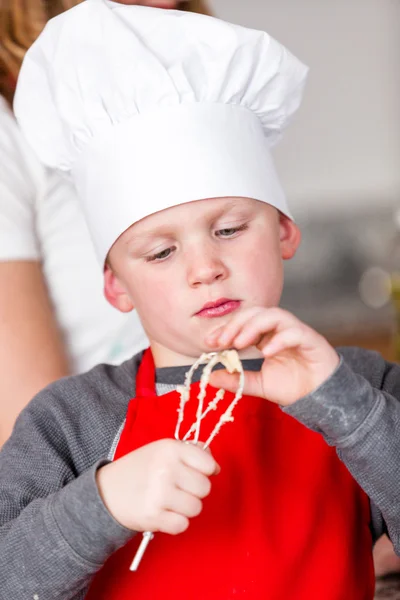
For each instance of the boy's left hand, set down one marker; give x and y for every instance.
(297, 358)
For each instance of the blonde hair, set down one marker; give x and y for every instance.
(21, 21)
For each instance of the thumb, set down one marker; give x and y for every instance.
(230, 382)
(223, 379)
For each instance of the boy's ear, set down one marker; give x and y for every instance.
(289, 235)
(115, 291)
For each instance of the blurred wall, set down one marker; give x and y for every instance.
(342, 152)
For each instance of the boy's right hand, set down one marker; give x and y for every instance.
(158, 487)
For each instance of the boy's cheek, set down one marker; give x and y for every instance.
(156, 305)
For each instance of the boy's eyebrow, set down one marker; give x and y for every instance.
(143, 237)
(167, 230)
(234, 206)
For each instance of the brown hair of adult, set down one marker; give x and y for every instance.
(21, 21)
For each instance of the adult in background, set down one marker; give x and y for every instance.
(54, 320)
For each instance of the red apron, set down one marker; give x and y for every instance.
(284, 521)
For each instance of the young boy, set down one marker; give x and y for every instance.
(165, 121)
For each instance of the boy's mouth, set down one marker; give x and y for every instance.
(219, 308)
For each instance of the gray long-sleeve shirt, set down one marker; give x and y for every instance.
(55, 532)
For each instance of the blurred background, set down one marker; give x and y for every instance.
(340, 160)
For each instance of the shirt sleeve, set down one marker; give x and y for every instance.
(357, 410)
(55, 532)
(21, 181)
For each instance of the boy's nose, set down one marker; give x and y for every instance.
(206, 270)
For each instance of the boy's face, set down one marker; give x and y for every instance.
(188, 268)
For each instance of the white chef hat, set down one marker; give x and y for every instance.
(150, 108)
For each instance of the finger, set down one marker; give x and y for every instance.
(223, 335)
(200, 444)
(226, 381)
(253, 385)
(264, 340)
(261, 324)
(182, 503)
(195, 457)
(285, 340)
(193, 482)
(172, 523)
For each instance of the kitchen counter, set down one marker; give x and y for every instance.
(381, 341)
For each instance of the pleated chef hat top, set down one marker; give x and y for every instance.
(150, 108)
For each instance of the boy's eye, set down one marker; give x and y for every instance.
(160, 255)
(230, 231)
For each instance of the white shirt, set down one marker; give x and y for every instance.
(41, 219)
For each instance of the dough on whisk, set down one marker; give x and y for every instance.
(231, 361)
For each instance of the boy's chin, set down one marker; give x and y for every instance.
(245, 354)
(164, 356)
